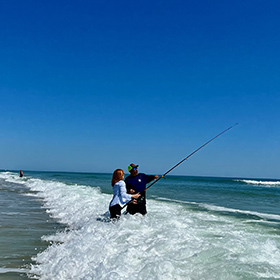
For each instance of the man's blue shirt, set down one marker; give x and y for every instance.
(138, 183)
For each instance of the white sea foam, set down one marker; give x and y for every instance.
(17, 270)
(226, 209)
(263, 183)
(173, 241)
(12, 177)
(249, 213)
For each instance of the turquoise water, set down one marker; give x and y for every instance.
(54, 226)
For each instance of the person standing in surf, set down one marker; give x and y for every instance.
(136, 182)
(120, 196)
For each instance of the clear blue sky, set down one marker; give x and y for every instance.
(95, 85)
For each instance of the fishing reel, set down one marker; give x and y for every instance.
(140, 199)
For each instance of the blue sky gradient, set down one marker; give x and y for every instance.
(95, 85)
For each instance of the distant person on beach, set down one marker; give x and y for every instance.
(136, 182)
(20, 173)
(120, 196)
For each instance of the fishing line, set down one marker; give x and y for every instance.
(190, 155)
(195, 151)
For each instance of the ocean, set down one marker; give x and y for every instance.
(55, 226)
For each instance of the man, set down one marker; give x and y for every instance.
(136, 182)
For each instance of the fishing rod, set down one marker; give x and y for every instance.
(162, 176)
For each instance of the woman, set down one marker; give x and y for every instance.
(120, 195)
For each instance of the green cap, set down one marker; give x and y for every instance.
(131, 166)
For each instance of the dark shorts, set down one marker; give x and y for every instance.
(137, 208)
(115, 211)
